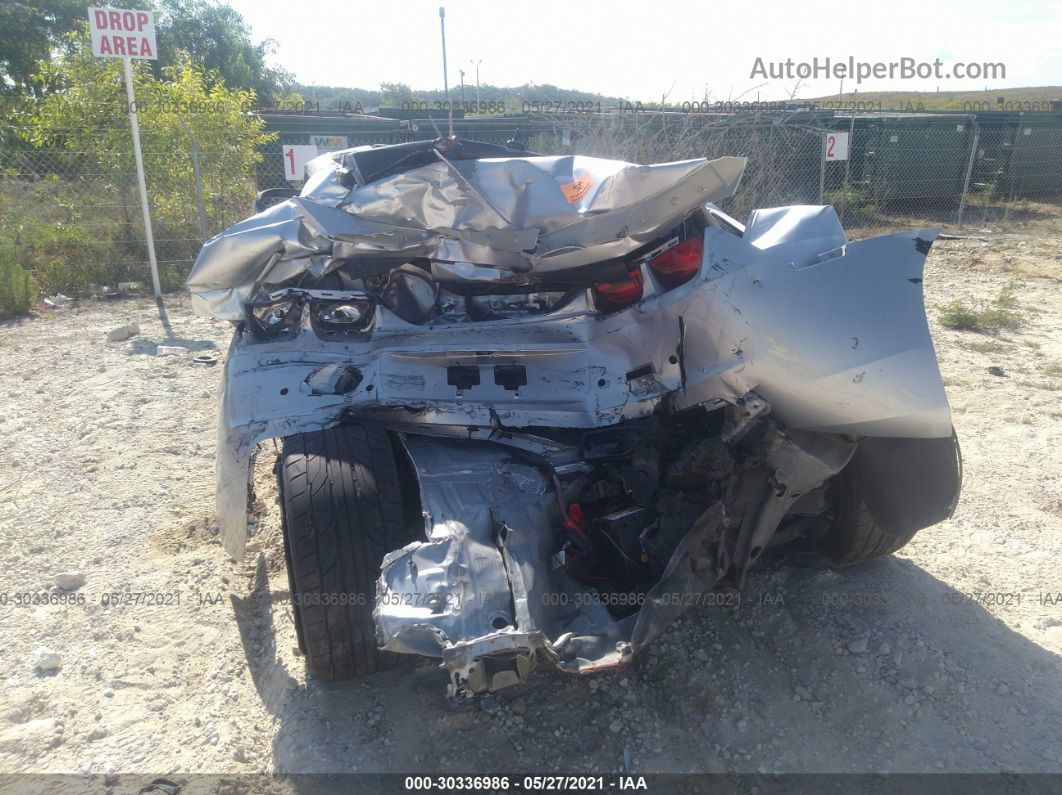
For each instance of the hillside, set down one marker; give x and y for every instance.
(396, 95)
(1030, 98)
(393, 95)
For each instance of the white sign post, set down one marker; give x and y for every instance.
(129, 34)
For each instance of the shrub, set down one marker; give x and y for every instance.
(68, 194)
(1000, 314)
(17, 290)
(996, 318)
(959, 317)
(67, 258)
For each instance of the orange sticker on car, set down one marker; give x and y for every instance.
(576, 191)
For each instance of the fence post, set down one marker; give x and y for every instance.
(198, 184)
(969, 170)
(822, 163)
(848, 166)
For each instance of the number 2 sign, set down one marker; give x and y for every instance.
(296, 156)
(836, 145)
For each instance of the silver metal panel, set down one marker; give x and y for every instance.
(516, 213)
(481, 583)
(839, 345)
(452, 586)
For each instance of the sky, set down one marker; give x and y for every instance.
(644, 50)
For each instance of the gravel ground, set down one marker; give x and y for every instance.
(888, 667)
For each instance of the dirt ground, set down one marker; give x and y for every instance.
(945, 657)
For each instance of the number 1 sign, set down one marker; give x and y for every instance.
(296, 156)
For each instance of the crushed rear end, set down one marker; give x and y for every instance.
(612, 397)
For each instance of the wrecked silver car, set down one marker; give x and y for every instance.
(533, 408)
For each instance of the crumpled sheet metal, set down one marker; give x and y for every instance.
(585, 209)
(541, 214)
(836, 340)
(453, 584)
(478, 591)
(839, 344)
(806, 232)
(482, 592)
(281, 242)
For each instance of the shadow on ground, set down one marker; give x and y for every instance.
(879, 668)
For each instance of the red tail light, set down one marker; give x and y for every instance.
(613, 295)
(678, 265)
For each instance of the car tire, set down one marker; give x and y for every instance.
(341, 512)
(854, 535)
(890, 490)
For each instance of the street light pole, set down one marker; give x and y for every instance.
(446, 81)
(462, 71)
(477, 63)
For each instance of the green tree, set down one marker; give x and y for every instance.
(85, 185)
(29, 32)
(217, 38)
(392, 95)
(214, 35)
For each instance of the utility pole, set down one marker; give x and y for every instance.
(477, 63)
(446, 80)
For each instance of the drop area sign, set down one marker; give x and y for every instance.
(125, 34)
(117, 33)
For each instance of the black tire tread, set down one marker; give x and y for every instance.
(859, 537)
(341, 510)
(856, 535)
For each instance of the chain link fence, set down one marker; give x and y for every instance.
(70, 210)
(72, 216)
(957, 171)
(880, 171)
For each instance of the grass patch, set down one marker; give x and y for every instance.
(986, 346)
(1047, 386)
(1002, 313)
(995, 319)
(1007, 299)
(959, 317)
